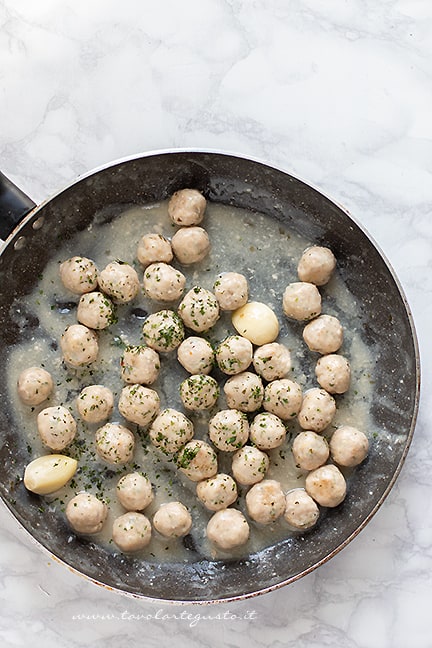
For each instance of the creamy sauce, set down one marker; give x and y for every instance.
(252, 244)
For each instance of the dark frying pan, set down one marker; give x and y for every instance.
(387, 324)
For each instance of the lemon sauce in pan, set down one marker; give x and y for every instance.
(249, 243)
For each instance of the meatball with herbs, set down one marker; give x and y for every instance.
(283, 398)
(301, 301)
(120, 281)
(231, 290)
(190, 245)
(79, 275)
(34, 386)
(95, 310)
(115, 443)
(199, 392)
(301, 511)
(140, 365)
(196, 355)
(310, 450)
(217, 492)
(228, 430)
(131, 531)
(267, 431)
(234, 354)
(171, 430)
(317, 410)
(272, 361)
(163, 283)
(249, 465)
(186, 207)
(134, 491)
(57, 427)
(153, 248)
(265, 501)
(95, 403)
(199, 309)
(333, 373)
(172, 520)
(86, 513)
(79, 345)
(197, 460)
(244, 392)
(163, 331)
(139, 404)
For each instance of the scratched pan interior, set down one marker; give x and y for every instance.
(386, 324)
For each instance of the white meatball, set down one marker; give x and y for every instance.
(34, 385)
(234, 354)
(197, 460)
(324, 334)
(190, 244)
(79, 345)
(265, 501)
(199, 392)
(267, 431)
(139, 404)
(249, 465)
(301, 301)
(140, 365)
(228, 529)
(56, 427)
(244, 392)
(79, 275)
(163, 283)
(131, 531)
(272, 361)
(317, 410)
(171, 430)
(217, 492)
(316, 265)
(326, 485)
(152, 248)
(86, 513)
(348, 446)
(186, 207)
(95, 403)
(196, 355)
(283, 398)
(163, 331)
(228, 430)
(231, 290)
(301, 512)
(333, 373)
(256, 322)
(115, 443)
(172, 520)
(310, 450)
(120, 281)
(95, 310)
(134, 491)
(199, 309)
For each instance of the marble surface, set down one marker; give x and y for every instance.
(339, 93)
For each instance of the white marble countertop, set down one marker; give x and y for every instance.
(338, 93)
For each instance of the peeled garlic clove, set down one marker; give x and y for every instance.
(47, 474)
(256, 322)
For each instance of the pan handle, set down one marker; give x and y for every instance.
(14, 204)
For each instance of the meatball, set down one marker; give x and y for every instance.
(272, 361)
(244, 392)
(301, 512)
(228, 430)
(163, 283)
(256, 322)
(34, 385)
(326, 485)
(79, 275)
(197, 460)
(317, 410)
(134, 491)
(231, 290)
(186, 207)
(333, 373)
(163, 331)
(267, 431)
(172, 520)
(265, 501)
(140, 365)
(79, 345)
(301, 301)
(171, 430)
(196, 355)
(324, 334)
(115, 443)
(131, 531)
(249, 465)
(120, 281)
(348, 446)
(95, 403)
(234, 354)
(199, 392)
(56, 427)
(139, 404)
(228, 529)
(190, 244)
(217, 492)
(199, 309)
(283, 398)
(95, 310)
(316, 265)
(310, 450)
(86, 513)
(152, 248)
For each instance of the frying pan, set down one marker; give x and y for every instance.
(386, 324)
